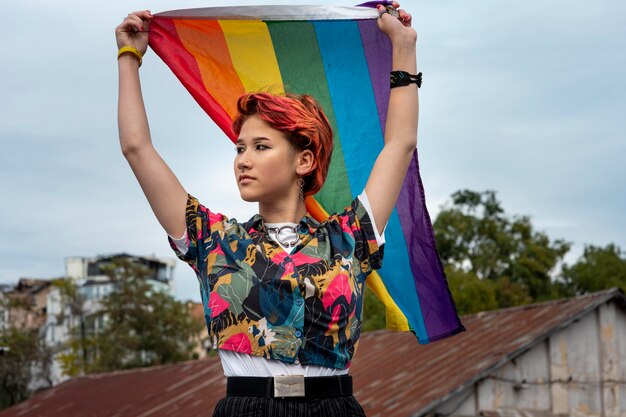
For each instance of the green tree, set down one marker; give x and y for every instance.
(143, 325)
(597, 269)
(374, 317)
(478, 241)
(24, 362)
(471, 294)
(74, 360)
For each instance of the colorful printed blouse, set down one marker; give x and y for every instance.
(304, 307)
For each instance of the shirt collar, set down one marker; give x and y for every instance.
(307, 224)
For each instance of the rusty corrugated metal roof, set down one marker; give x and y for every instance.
(413, 379)
(394, 376)
(520, 413)
(190, 388)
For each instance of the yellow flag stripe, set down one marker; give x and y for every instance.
(395, 319)
(252, 54)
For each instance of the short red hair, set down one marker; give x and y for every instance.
(302, 119)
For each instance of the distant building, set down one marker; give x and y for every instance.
(89, 274)
(24, 306)
(202, 344)
(161, 270)
(553, 359)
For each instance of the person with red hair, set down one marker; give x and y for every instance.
(282, 292)
(301, 118)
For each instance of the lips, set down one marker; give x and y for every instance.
(245, 179)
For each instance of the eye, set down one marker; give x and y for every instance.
(261, 147)
(239, 149)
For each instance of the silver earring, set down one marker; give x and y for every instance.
(300, 183)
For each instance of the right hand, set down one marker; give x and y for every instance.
(399, 29)
(133, 31)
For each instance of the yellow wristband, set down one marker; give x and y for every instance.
(129, 50)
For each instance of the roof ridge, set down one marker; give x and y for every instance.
(608, 294)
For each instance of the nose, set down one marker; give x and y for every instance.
(242, 163)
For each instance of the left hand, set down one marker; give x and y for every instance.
(398, 29)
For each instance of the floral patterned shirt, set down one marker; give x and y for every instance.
(300, 307)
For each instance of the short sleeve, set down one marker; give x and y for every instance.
(367, 251)
(380, 237)
(201, 225)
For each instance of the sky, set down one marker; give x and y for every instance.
(524, 98)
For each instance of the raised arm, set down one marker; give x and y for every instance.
(385, 181)
(166, 195)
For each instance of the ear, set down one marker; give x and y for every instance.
(305, 162)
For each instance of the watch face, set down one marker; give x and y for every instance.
(399, 77)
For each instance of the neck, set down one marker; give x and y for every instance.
(290, 211)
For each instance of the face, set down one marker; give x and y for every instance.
(266, 166)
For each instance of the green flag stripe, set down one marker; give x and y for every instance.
(302, 71)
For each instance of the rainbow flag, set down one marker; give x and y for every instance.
(339, 56)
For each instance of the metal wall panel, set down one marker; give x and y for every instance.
(579, 370)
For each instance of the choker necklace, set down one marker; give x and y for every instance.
(277, 230)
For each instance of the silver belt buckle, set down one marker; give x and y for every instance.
(289, 386)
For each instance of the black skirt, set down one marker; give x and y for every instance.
(346, 406)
